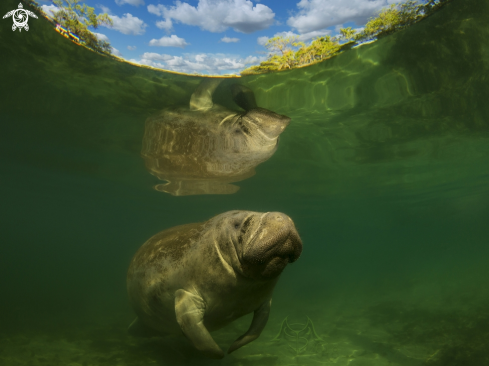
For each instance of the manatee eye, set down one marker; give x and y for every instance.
(236, 225)
(237, 130)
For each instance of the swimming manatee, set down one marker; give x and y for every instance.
(197, 278)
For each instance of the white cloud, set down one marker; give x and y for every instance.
(202, 63)
(156, 9)
(172, 41)
(262, 40)
(165, 24)
(152, 56)
(218, 15)
(116, 52)
(130, 2)
(131, 48)
(315, 15)
(101, 37)
(229, 40)
(49, 9)
(253, 60)
(129, 24)
(104, 8)
(306, 37)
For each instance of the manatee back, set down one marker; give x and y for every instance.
(164, 249)
(155, 273)
(182, 132)
(195, 153)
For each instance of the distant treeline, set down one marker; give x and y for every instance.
(287, 53)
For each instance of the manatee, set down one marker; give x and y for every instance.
(203, 148)
(197, 278)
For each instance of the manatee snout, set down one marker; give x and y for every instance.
(270, 123)
(276, 243)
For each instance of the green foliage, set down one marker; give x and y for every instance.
(287, 53)
(77, 18)
(280, 44)
(324, 47)
(281, 51)
(391, 19)
(347, 33)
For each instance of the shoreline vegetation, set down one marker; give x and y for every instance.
(76, 18)
(287, 53)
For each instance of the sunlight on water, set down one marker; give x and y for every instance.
(383, 169)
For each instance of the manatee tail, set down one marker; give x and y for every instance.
(243, 97)
(201, 99)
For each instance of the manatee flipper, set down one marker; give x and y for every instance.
(201, 99)
(138, 329)
(243, 97)
(260, 318)
(189, 309)
(194, 187)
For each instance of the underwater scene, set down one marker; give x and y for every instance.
(356, 189)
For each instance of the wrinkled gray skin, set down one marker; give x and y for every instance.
(202, 148)
(197, 278)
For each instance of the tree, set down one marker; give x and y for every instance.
(384, 23)
(281, 51)
(283, 56)
(409, 13)
(280, 44)
(391, 19)
(347, 33)
(77, 18)
(304, 54)
(324, 47)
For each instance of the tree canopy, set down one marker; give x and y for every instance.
(77, 18)
(287, 53)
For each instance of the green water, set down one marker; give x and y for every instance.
(384, 169)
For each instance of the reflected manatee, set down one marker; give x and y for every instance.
(203, 148)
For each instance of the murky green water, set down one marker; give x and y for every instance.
(384, 169)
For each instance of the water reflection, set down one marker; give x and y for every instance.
(203, 148)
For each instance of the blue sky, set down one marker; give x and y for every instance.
(219, 36)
